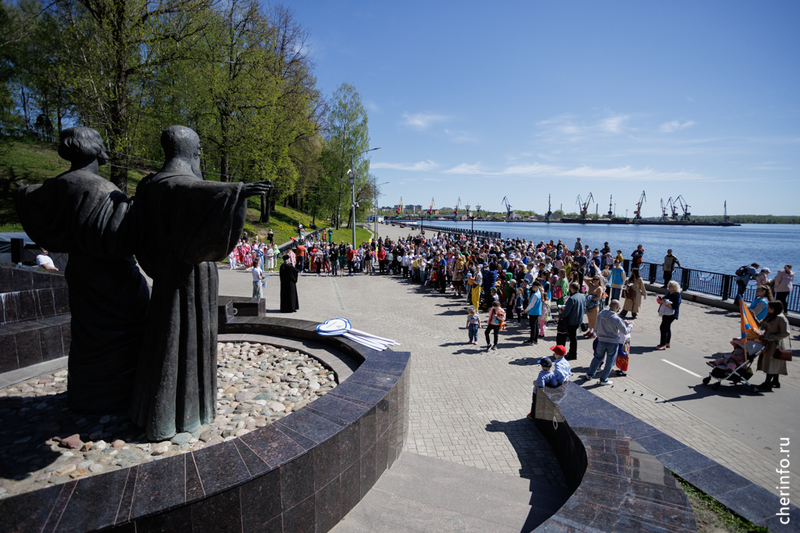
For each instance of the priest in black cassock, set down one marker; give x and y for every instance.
(186, 224)
(288, 276)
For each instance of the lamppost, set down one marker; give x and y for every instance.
(351, 174)
(375, 206)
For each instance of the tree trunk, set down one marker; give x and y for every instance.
(265, 208)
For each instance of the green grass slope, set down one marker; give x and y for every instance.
(30, 161)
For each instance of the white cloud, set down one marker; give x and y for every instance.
(629, 174)
(464, 168)
(626, 173)
(769, 165)
(421, 166)
(565, 128)
(613, 124)
(422, 121)
(372, 106)
(461, 136)
(534, 169)
(675, 125)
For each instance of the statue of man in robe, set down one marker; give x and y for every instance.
(186, 224)
(85, 215)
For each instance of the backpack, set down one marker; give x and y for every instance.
(742, 270)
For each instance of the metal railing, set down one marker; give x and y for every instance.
(463, 231)
(723, 286)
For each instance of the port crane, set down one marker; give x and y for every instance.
(664, 215)
(610, 207)
(684, 207)
(584, 206)
(509, 212)
(637, 213)
(673, 208)
(549, 213)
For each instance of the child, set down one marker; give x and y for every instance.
(497, 319)
(258, 283)
(473, 325)
(545, 316)
(518, 307)
(562, 369)
(546, 378)
(732, 360)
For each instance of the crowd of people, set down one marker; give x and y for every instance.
(574, 288)
(245, 253)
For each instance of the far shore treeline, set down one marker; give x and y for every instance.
(237, 72)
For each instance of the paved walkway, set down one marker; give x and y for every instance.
(468, 406)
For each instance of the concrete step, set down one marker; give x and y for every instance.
(425, 494)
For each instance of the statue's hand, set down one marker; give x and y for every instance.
(254, 189)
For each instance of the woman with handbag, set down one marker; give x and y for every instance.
(594, 296)
(633, 295)
(669, 308)
(775, 334)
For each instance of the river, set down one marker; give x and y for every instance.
(711, 248)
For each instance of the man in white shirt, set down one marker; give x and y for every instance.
(44, 260)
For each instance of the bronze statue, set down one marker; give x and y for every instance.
(185, 224)
(85, 215)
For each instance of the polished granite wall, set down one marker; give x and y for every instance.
(620, 469)
(34, 317)
(302, 473)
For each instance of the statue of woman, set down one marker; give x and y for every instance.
(82, 214)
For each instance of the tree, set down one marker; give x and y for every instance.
(111, 47)
(348, 138)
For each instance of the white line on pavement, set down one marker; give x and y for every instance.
(676, 366)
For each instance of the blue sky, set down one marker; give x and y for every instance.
(482, 101)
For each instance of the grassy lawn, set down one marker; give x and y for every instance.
(713, 517)
(29, 161)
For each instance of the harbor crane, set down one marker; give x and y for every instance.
(664, 215)
(584, 206)
(673, 206)
(610, 207)
(508, 208)
(684, 207)
(549, 213)
(637, 213)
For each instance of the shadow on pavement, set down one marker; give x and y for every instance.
(539, 465)
(727, 390)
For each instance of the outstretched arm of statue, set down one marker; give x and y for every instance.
(254, 189)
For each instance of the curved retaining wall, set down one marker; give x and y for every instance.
(621, 471)
(301, 473)
(618, 485)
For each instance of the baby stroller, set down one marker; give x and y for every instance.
(735, 367)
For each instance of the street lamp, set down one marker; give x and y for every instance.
(351, 174)
(375, 218)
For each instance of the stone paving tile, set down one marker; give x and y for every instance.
(468, 406)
